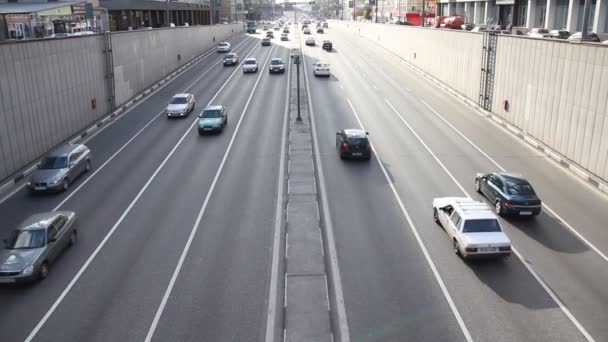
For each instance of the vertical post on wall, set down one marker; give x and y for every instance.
(585, 20)
(423, 13)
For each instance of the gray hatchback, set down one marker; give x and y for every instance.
(36, 244)
(60, 168)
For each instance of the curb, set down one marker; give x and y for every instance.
(574, 168)
(112, 116)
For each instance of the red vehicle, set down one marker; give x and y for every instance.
(416, 18)
(451, 22)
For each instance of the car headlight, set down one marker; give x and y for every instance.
(28, 270)
(55, 181)
(29, 183)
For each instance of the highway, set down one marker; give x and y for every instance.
(176, 229)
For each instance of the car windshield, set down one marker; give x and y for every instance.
(213, 113)
(322, 65)
(224, 44)
(230, 55)
(54, 163)
(27, 239)
(249, 62)
(179, 100)
(276, 62)
(519, 189)
(481, 226)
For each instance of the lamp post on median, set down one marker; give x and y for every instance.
(296, 55)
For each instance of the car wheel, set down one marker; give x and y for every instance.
(87, 166)
(44, 271)
(435, 215)
(456, 248)
(65, 185)
(342, 156)
(73, 238)
(498, 208)
(477, 186)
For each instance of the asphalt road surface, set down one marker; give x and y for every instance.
(176, 229)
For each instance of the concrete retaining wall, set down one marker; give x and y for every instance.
(557, 93)
(143, 57)
(451, 56)
(46, 88)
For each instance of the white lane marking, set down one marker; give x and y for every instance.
(276, 243)
(373, 85)
(536, 276)
(71, 194)
(331, 243)
(341, 87)
(414, 230)
(546, 206)
(117, 118)
(84, 267)
(199, 218)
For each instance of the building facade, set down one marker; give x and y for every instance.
(550, 14)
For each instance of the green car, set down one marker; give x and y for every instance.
(212, 119)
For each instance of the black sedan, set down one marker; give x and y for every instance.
(35, 245)
(327, 45)
(353, 143)
(510, 193)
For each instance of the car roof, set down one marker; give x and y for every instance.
(469, 208)
(214, 107)
(63, 150)
(277, 59)
(251, 59)
(181, 95)
(224, 43)
(353, 132)
(41, 220)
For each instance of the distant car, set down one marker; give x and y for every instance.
(605, 42)
(406, 23)
(231, 59)
(250, 65)
(212, 119)
(266, 41)
(327, 45)
(223, 47)
(591, 37)
(286, 30)
(321, 69)
(310, 41)
(474, 229)
(276, 65)
(61, 35)
(306, 30)
(60, 168)
(467, 27)
(479, 29)
(84, 33)
(284, 37)
(353, 143)
(276, 28)
(510, 193)
(265, 28)
(538, 33)
(180, 105)
(35, 244)
(320, 30)
(269, 34)
(325, 25)
(559, 34)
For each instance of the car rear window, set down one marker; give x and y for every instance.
(481, 226)
(211, 114)
(519, 189)
(249, 62)
(356, 141)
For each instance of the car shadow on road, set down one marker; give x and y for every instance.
(510, 279)
(550, 232)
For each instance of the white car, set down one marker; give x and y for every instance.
(180, 105)
(250, 65)
(321, 69)
(310, 41)
(472, 226)
(223, 47)
(306, 30)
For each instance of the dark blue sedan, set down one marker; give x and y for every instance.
(511, 193)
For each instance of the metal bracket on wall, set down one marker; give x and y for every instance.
(488, 64)
(110, 69)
